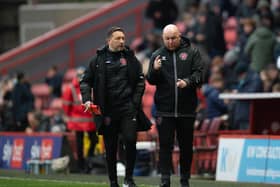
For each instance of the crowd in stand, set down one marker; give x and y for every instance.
(239, 41)
(23, 110)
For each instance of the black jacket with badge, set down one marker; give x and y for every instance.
(95, 78)
(170, 100)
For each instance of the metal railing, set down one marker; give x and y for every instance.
(75, 43)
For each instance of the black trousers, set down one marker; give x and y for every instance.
(183, 128)
(126, 127)
(80, 146)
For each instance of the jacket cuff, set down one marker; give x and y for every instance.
(187, 81)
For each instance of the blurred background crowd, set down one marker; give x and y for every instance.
(239, 41)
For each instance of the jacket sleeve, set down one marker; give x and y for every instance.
(153, 76)
(87, 81)
(196, 77)
(140, 87)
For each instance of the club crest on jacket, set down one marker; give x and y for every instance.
(123, 61)
(183, 56)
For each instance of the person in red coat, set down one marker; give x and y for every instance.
(79, 121)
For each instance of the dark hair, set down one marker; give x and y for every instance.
(114, 29)
(20, 75)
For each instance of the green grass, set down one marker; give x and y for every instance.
(21, 182)
(17, 178)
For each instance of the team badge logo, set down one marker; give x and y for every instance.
(123, 61)
(183, 56)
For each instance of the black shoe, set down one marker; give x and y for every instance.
(185, 184)
(114, 184)
(129, 183)
(164, 184)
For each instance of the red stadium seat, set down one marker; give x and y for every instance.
(42, 94)
(41, 90)
(54, 108)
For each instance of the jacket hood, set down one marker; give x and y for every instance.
(185, 42)
(263, 32)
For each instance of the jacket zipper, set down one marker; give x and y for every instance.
(175, 79)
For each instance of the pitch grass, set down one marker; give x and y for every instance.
(13, 178)
(17, 182)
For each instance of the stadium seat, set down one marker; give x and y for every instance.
(40, 90)
(200, 134)
(54, 108)
(42, 94)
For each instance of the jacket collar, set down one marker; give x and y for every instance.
(105, 48)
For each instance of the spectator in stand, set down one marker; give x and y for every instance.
(209, 31)
(6, 106)
(162, 12)
(22, 101)
(54, 80)
(270, 77)
(191, 6)
(37, 122)
(215, 107)
(176, 69)
(78, 121)
(260, 45)
(246, 9)
(248, 27)
(249, 82)
(263, 8)
(230, 77)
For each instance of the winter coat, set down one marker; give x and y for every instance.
(215, 106)
(23, 101)
(184, 63)
(260, 47)
(95, 78)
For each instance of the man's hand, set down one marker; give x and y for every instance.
(157, 63)
(87, 106)
(92, 108)
(181, 83)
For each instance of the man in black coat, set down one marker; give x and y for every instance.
(176, 70)
(118, 84)
(23, 102)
